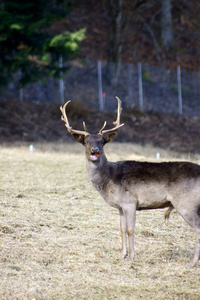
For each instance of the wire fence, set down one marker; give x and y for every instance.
(94, 84)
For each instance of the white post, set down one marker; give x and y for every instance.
(61, 81)
(101, 106)
(141, 104)
(180, 102)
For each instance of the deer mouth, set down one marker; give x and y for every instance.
(94, 155)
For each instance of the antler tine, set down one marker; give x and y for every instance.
(119, 110)
(65, 119)
(84, 126)
(104, 125)
(117, 122)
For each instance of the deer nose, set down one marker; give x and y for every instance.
(95, 150)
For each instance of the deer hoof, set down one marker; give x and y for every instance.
(124, 254)
(192, 264)
(132, 257)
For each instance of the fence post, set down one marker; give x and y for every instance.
(61, 80)
(101, 106)
(141, 104)
(180, 102)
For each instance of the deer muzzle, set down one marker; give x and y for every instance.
(95, 154)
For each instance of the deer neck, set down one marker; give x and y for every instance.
(98, 173)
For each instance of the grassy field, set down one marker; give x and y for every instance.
(60, 240)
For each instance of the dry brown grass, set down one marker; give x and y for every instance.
(60, 240)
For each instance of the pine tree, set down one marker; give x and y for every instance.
(28, 43)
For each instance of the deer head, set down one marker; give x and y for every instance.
(93, 142)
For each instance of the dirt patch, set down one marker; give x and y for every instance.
(40, 122)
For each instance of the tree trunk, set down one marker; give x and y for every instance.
(166, 24)
(115, 43)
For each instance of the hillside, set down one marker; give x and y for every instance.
(140, 37)
(32, 122)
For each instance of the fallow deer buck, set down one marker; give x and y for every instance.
(133, 185)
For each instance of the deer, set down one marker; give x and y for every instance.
(132, 186)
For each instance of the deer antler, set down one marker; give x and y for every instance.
(65, 119)
(117, 122)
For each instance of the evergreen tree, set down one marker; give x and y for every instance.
(28, 42)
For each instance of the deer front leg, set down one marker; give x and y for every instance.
(130, 215)
(123, 234)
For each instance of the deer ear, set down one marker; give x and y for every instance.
(108, 137)
(79, 138)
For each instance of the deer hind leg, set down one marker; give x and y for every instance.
(197, 232)
(168, 212)
(193, 219)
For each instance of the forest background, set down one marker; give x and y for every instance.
(33, 35)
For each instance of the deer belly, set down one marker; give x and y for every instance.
(152, 196)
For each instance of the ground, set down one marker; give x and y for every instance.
(40, 122)
(60, 240)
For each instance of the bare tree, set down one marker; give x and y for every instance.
(115, 39)
(166, 24)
